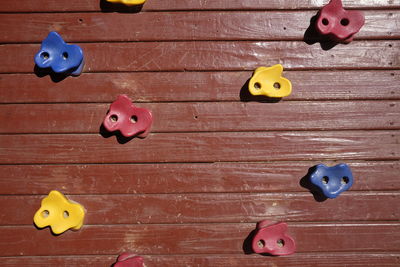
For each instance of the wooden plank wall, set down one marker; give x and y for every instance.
(217, 161)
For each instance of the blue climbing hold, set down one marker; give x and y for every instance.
(332, 181)
(59, 56)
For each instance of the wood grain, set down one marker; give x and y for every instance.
(175, 26)
(200, 117)
(303, 259)
(195, 86)
(201, 147)
(192, 56)
(163, 5)
(214, 208)
(353, 259)
(184, 178)
(194, 239)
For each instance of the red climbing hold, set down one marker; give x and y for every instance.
(272, 238)
(338, 24)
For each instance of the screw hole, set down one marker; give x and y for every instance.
(277, 86)
(325, 22)
(134, 119)
(66, 214)
(45, 55)
(196, 117)
(113, 118)
(45, 213)
(261, 243)
(345, 22)
(257, 86)
(284, 28)
(325, 180)
(345, 180)
(280, 243)
(80, 20)
(390, 45)
(65, 55)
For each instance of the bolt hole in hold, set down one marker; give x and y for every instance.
(257, 86)
(261, 243)
(113, 118)
(280, 243)
(277, 86)
(345, 22)
(325, 179)
(345, 180)
(65, 55)
(45, 213)
(134, 119)
(325, 22)
(45, 55)
(66, 214)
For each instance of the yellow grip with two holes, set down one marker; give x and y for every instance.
(128, 2)
(269, 82)
(59, 213)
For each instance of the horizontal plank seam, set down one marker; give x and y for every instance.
(177, 10)
(305, 101)
(347, 253)
(387, 38)
(190, 162)
(303, 193)
(369, 223)
(200, 163)
(283, 130)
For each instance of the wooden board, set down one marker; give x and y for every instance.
(207, 56)
(198, 5)
(172, 26)
(196, 86)
(265, 177)
(217, 160)
(205, 117)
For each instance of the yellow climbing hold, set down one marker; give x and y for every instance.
(59, 213)
(128, 2)
(269, 82)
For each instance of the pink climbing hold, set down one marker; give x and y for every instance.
(131, 121)
(129, 260)
(338, 24)
(272, 238)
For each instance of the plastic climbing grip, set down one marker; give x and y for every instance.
(272, 238)
(129, 260)
(59, 56)
(59, 213)
(332, 181)
(338, 24)
(128, 2)
(131, 121)
(269, 82)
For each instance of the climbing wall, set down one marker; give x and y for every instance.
(218, 160)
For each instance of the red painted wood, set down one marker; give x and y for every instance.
(195, 239)
(185, 56)
(303, 259)
(343, 109)
(201, 147)
(171, 26)
(184, 178)
(198, 117)
(214, 208)
(161, 5)
(203, 86)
